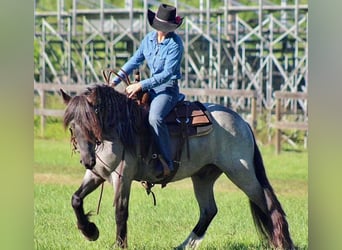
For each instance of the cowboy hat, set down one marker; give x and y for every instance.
(165, 19)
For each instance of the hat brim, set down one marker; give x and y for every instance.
(162, 26)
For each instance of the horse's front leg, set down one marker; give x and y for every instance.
(90, 183)
(122, 189)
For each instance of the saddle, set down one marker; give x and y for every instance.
(189, 119)
(186, 119)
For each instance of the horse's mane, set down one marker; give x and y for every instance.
(101, 109)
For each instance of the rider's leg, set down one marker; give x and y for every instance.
(161, 106)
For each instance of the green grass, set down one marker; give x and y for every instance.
(58, 174)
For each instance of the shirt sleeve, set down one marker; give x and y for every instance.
(133, 63)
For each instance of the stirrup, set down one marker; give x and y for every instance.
(148, 187)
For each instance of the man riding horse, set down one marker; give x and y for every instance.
(163, 51)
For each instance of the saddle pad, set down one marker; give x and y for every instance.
(191, 117)
(189, 112)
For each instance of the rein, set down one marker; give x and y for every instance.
(118, 173)
(120, 170)
(107, 76)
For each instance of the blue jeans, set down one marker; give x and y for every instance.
(161, 105)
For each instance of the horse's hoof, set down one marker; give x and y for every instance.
(90, 232)
(121, 244)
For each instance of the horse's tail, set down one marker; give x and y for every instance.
(272, 225)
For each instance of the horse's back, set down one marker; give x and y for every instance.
(228, 120)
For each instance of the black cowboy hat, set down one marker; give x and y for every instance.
(165, 19)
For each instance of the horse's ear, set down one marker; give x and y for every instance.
(91, 96)
(66, 97)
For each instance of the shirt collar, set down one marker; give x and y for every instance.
(167, 39)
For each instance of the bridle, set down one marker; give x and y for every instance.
(98, 143)
(73, 142)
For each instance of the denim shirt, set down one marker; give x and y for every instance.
(163, 59)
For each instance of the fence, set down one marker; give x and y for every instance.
(193, 93)
(282, 99)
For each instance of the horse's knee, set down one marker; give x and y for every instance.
(76, 201)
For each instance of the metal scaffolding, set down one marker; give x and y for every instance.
(260, 47)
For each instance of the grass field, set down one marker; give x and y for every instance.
(57, 174)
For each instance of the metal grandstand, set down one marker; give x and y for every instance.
(262, 46)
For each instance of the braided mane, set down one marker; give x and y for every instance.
(101, 109)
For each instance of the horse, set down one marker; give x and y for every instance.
(106, 129)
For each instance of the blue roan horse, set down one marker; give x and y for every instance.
(106, 129)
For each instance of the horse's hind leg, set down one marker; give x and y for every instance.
(203, 183)
(267, 212)
(90, 183)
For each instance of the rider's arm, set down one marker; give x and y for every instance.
(133, 63)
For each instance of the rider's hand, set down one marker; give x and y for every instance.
(133, 89)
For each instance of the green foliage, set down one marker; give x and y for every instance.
(53, 128)
(36, 55)
(52, 101)
(266, 134)
(55, 157)
(53, 125)
(51, 5)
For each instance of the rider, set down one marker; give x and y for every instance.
(163, 51)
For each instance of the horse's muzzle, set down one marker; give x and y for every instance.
(88, 164)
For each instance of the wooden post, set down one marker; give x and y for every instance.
(42, 117)
(278, 132)
(254, 118)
